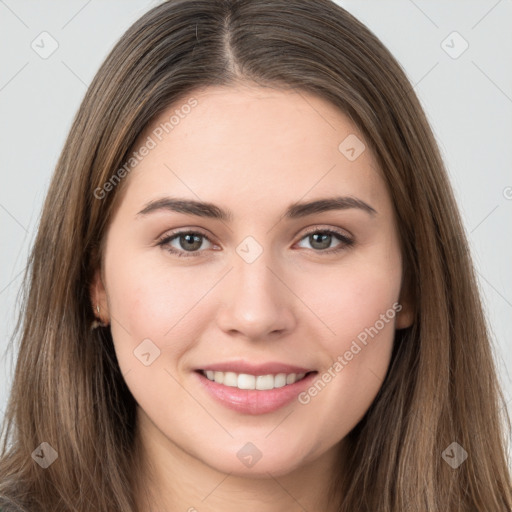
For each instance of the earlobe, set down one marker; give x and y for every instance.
(407, 312)
(405, 317)
(98, 298)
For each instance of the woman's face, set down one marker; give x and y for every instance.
(264, 284)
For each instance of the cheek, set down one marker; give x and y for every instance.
(348, 300)
(147, 302)
(360, 305)
(152, 313)
(149, 298)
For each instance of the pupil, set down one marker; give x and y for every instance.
(325, 237)
(190, 240)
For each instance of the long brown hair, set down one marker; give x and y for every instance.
(441, 386)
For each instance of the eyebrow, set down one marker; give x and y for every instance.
(294, 211)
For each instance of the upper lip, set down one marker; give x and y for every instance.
(270, 367)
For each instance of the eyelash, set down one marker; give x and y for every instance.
(346, 242)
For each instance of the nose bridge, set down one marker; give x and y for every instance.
(257, 302)
(255, 279)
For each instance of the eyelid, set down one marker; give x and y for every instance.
(164, 241)
(184, 231)
(346, 239)
(318, 227)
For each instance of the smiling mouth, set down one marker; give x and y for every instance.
(257, 382)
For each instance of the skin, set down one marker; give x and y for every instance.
(254, 151)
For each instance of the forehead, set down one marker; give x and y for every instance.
(260, 145)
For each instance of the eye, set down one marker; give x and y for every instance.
(187, 242)
(320, 240)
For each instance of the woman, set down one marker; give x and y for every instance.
(251, 287)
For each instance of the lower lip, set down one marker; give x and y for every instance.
(254, 401)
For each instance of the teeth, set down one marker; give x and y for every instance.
(246, 381)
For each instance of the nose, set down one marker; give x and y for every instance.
(257, 302)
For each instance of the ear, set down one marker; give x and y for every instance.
(98, 297)
(405, 317)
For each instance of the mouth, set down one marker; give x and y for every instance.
(251, 394)
(258, 382)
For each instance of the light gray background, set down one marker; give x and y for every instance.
(468, 100)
